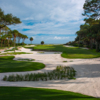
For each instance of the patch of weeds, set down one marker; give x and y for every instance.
(14, 53)
(59, 73)
(71, 61)
(26, 59)
(11, 49)
(64, 61)
(41, 52)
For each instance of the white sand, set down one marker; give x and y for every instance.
(87, 78)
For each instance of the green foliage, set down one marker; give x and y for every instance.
(31, 39)
(27, 93)
(26, 59)
(59, 73)
(11, 49)
(92, 8)
(14, 53)
(42, 42)
(6, 58)
(68, 52)
(64, 61)
(7, 19)
(7, 64)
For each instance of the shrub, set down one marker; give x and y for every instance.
(59, 73)
(42, 42)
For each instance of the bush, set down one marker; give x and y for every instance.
(59, 73)
(42, 42)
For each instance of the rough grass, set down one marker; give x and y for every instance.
(25, 93)
(9, 65)
(68, 52)
(59, 73)
(11, 49)
(14, 53)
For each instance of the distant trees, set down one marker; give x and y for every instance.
(7, 36)
(89, 33)
(31, 39)
(42, 42)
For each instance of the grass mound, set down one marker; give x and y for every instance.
(9, 65)
(14, 53)
(68, 52)
(25, 93)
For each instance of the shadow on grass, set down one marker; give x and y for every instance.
(22, 93)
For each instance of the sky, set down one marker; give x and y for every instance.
(51, 21)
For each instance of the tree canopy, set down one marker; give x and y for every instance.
(7, 19)
(92, 9)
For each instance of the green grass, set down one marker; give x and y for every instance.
(25, 93)
(14, 53)
(11, 49)
(64, 61)
(58, 74)
(6, 58)
(3, 47)
(26, 59)
(68, 52)
(9, 65)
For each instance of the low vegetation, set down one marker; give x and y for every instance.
(11, 49)
(7, 64)
(14, 53)
(68, 52)
(26, 93)
(26, 59)
(59, 73)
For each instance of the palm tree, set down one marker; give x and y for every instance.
(19, 36)
(9, 35)
(42, 42)
(31, 39)
(24, 37)
(15, 33)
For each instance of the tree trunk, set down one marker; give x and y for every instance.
(14, 43)
(8, 42)
(91, 44)
(1, 43)
(97, 46)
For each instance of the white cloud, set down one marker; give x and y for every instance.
(59, 38)
(53, 16)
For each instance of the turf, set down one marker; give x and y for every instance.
(24, 93)
(9, 65)
(14, 53)
(69, 52)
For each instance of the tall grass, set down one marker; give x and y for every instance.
(59, 73)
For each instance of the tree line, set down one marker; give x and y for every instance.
(89, 33)
(9, 37)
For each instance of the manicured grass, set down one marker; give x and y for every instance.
(69, 52)
(9, 65)
(14, 53)
(24, 93)
(6, 58)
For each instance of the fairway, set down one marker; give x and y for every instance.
(24, 93)
(9, 65)
(68, 52)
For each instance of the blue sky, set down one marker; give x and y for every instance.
(51, 21)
